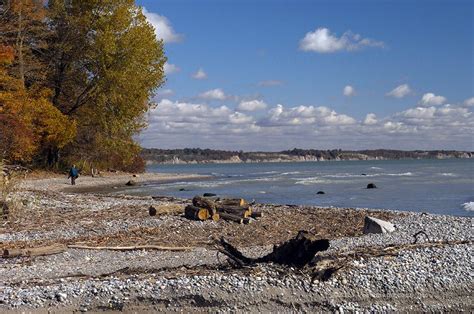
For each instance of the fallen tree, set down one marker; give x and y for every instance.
(296, 252)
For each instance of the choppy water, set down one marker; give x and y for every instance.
(436, 186)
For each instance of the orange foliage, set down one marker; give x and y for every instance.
(28, 122)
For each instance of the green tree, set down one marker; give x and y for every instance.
(106, 64)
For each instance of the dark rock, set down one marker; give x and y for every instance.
(183, 189)
(371, 186)
(131, 183)
(209, 194)
(363, 174)
(321, 192)
(152, 211)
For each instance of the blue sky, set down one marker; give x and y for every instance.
(310, 52)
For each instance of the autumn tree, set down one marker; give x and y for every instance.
(24, 29)
(106, 63)
(29, 123)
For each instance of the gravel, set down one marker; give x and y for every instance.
(419, 279)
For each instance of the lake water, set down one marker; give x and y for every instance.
(435, 186)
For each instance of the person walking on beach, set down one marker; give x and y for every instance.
(73, 174)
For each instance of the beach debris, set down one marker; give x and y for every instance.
(38, 251)
(131, 248)
(131, 183)
(321, 192)
(296, 252)
(374, 225)
(230, 209)
(165, 209)
(196, 213)
(371, 186)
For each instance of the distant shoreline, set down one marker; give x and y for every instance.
(207, 156)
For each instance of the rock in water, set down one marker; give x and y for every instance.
(209, 194)
(131, 183)
(321, 192)
(371, 186)
(374, 225)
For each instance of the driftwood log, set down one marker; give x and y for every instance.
(197, 213)
(231, 217)
(235, 210)
(38, 251)
(203, 202)
(131, 248)
(296, 252)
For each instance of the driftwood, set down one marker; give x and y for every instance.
(296, 252)
(197, 213)
(131, 248)
(255, 215)
(233, 202)
(203, 202)
(235, 210)
(38, 251)
(231, 217)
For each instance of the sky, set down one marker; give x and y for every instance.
(274, 75)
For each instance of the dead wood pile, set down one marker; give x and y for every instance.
(230, 209)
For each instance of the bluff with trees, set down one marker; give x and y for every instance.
(75, 80)
(197, 155)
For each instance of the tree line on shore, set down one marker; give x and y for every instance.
(199, 155)
(75, 80)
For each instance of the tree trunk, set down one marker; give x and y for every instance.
(203, 202)
(39, 251)
(296, 252)
(196, 213)
(231, 217)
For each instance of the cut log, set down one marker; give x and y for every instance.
(230, 217)
(203, 202)
(216, 217)
(233, 202)
(256, 215)
(296, 252)
(196, 213)
(235, 210)
(38, 251)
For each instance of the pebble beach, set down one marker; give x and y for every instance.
(417, 278)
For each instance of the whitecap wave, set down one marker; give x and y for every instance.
(310, 181)
(376, 168)
(404, 174)
(447, 174)
(468, 206)
(289, 173)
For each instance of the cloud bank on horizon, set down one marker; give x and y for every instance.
(396, 114)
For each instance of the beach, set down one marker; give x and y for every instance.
(435, 274)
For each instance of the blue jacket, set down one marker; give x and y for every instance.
(73, 173)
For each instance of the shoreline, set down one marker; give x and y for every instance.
(199, 280)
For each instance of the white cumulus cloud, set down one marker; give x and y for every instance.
(200, 74)
(430, 99)
(252, 105)
(170, 68)
(400, 91)
(469, 102)
(163, 28)
(322, 41)
(348, 91)
(213, 94)
(370, 119)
